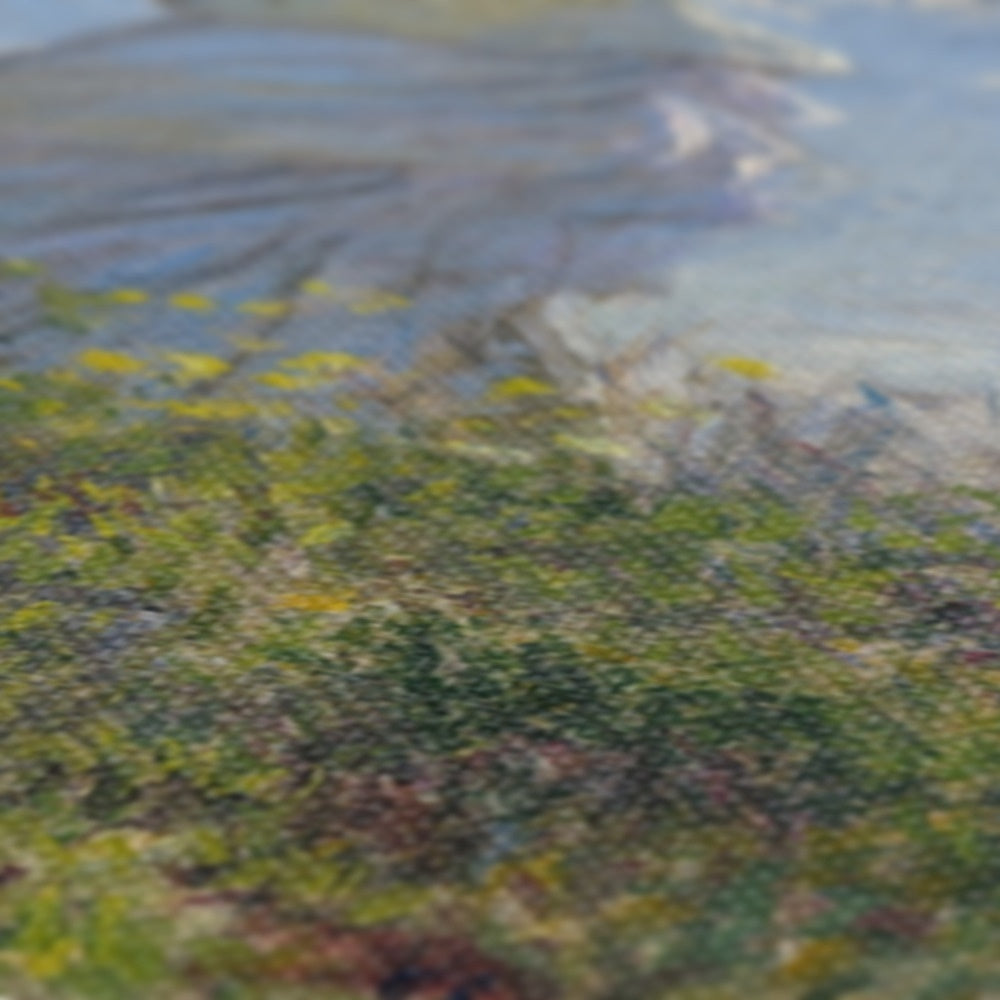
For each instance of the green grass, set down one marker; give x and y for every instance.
(290, 710)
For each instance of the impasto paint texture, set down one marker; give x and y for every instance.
(499, 500)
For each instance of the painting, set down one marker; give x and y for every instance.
(499, 500)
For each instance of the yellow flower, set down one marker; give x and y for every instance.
(324, 534)
(266, 309)
(212, 409)
(747, 367)
(195, 367)
(49, 407)
(110, 362)
(315, 286)
(816, 960)
(323, 603)
(127, 296)
(518, 386)
(53, 960)
(39, 613)
(191, 302)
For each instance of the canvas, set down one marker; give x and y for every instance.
(499, 500)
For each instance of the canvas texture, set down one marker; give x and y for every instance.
(499, 501)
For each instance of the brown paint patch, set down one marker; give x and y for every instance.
(384, 963)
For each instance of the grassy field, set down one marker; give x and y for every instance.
(292, 709)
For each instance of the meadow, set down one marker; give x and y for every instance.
(295, 704)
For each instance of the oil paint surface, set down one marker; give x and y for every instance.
(499, 500)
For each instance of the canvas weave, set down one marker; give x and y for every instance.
(499, 501)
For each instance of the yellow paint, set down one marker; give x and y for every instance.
(196, 367)
(747, 367)
(76, 549)
(106, 494)
(662, 409)
(266, 309)
(127, 296)
(440, 489)
(817, 960)
(648, 911)
(104, 527)
(212, 409)
(326, 533)
(545, 870)
(571, 413)
(110, 362)
(52, 961)
(323, 603)
(315, 286)
(191, 302)
(392, 904)
(519, 386)
(75, 426)
(39, 613)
